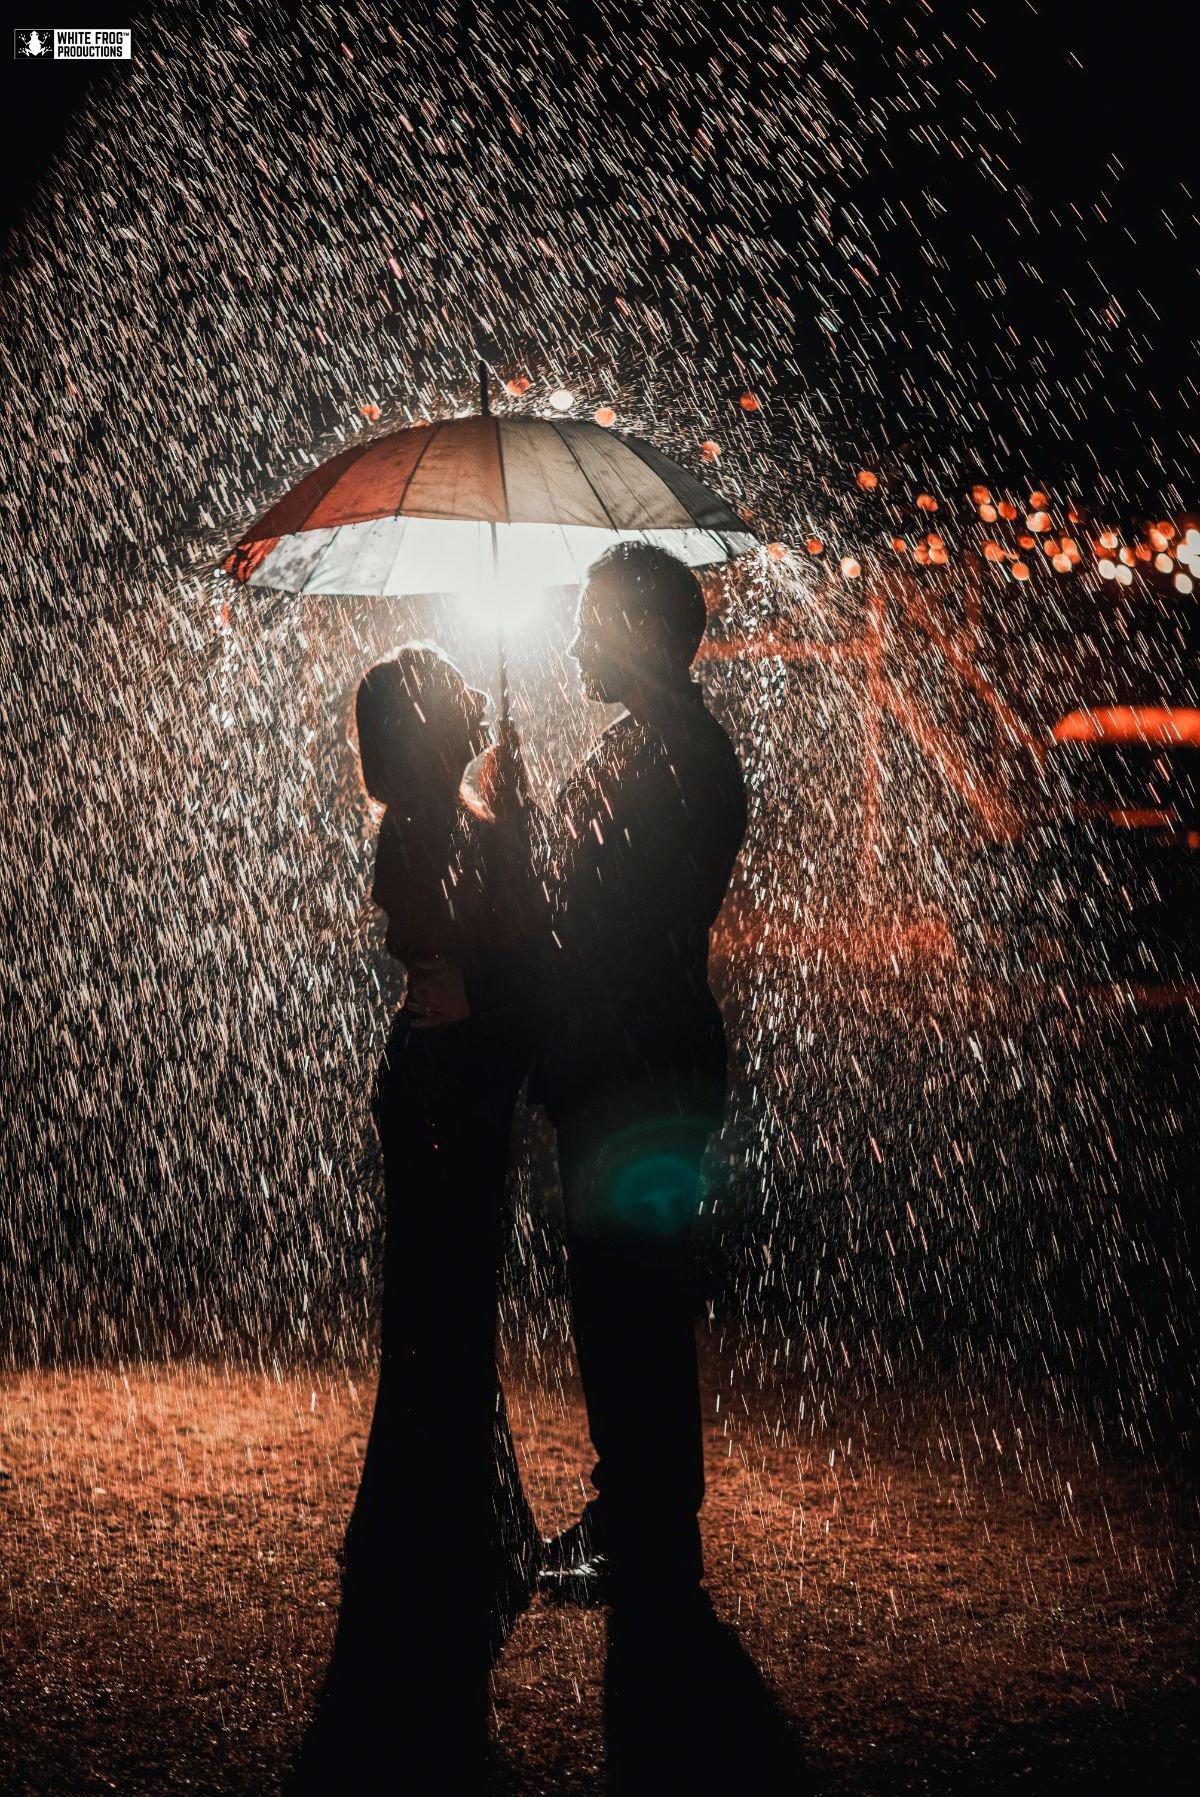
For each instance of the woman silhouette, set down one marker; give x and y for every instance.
(439, 1554)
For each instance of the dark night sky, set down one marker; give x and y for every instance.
(1102, 122)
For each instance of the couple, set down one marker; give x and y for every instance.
(570, 949)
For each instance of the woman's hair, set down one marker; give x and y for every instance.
(402, 709)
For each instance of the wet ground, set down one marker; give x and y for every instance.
(943, 1595)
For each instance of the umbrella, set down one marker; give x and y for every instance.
(482, 501)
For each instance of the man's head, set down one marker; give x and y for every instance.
(640, 620)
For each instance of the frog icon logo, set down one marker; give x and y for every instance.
(34, 43)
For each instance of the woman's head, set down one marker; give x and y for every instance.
(419, 723)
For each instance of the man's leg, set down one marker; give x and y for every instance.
(631, 1184)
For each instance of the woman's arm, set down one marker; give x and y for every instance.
(414, 894)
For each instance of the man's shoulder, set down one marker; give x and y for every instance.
(698, 746)
(684, 743)
(609, 756)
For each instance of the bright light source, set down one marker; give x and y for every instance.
(505, 605)
(561, 400)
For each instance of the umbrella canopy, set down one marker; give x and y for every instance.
(442, 507)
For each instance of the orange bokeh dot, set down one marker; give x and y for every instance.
(518, 385)
(1038, 502)
(776, 551)
(604, 415)
(1027, 542)
(988, 513)
(1020, 571)
(850, 568)
(866, 479)
(927, 502)
(899, 545)
(993, 552)
(981, 495)
(750, 402)
(710, 451)
(1038, 521)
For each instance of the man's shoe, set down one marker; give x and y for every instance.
(585, 1583)
(574, 1569)
(573, 1546)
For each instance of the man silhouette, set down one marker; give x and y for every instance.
(633, 1074)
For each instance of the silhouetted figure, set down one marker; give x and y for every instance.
(439, 1553)
(633, 1065)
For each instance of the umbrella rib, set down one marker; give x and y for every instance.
(395, 561)
(635, 448)
(562, 531)
(503, 470)
(612, 523)
(322, 556)
(413, 471)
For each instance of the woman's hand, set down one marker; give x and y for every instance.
(503, 781)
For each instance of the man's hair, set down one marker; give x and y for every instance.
(656, 584)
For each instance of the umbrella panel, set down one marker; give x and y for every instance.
(395, 557)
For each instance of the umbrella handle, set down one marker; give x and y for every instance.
(502, 659)
(501, 648)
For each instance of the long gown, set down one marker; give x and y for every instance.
(439, 1553)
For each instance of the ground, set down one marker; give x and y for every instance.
(944, 1597)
